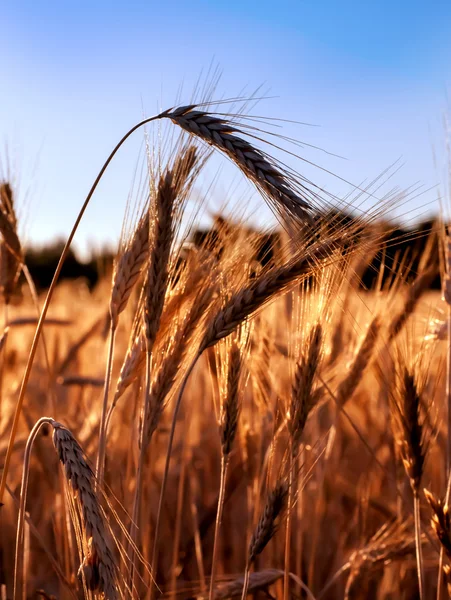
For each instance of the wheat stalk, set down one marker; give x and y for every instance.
(447, 298)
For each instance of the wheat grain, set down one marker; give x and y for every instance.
(128, 268)
(275, 185)
(257, 292)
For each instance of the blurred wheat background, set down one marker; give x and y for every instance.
(236, 382)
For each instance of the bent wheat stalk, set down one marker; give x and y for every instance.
(220, 134)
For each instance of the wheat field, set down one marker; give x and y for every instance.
(224, 420)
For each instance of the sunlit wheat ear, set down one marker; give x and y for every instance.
(410, 431)
(392, 542)
(260, 580)
(183, 343)
(131, 367)
(441, 522)
(98, 569)
(409, 426)
(172, 189)
(267, 524)
(257, 292)
(128, 267)
(230, 409)
(360, 363)
(414, 293)
(228, 424)
(11, 253)
(275, 185)
(303, 396)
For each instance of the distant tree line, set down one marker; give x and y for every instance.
(395, 244)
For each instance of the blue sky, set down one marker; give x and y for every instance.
(77, 75)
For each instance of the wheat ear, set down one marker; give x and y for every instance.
(262, 289)
(414, 293)
(303, 398)
(230, 410)
(391, 542)
(360, 363)
(441, 524)
(11, 253)
(129, 267)
(257, 166)
(98, 569)
(133, 364)
(260, 580)
(410, 436)
(266, 527)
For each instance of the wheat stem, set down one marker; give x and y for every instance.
(39, 326)
(23, 498)
(100, 467)
(286, 579)
(447, 296)
(155, 551)
(139, 478)
(246, 581)
(419, 551)
(219, 513)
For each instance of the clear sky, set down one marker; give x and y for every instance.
(76, 75)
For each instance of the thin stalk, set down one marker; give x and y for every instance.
(419, 551)
(178, 518)
(139, 479)
(35, 299)
(166, 473)
(448, 399)
(448, 450)
(39, 326)
(219, 513)
(341, 571)
(23, 498)
(55, 564)
(246, 581)
(286, 577)
(197, 541)
(3, 354)
(100, 467)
